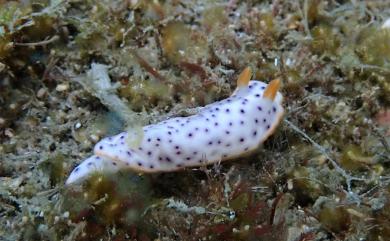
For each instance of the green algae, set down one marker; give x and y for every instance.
(335, 218)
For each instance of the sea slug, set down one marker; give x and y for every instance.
(220, 131)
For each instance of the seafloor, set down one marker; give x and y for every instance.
(73, 72)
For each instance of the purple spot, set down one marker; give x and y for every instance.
(242, 122)
(168, 159)
(206, 130)
(77, 169)
(254, 133)
(140, 148)
(122, 137)
(149, 153)
(89, 164)
(114, 163)
(196, 128)
(230, 123)
(216, 123)
(178, 165)
(274, 109)
(160, 158)
(259, 108)
(217, 109)
(151, 166)
(101, 147)
(170, 141)
(194, 153)
(268, 126)
(264, 120)
(219, 142)
(188, 158)
(157, 144)
(177, 147)
(227, 132)
(178, 153)
(128, 153)
(139, 163)
(227, 145)
(158, 139)
(262, 87)
(149, 139)
(257, 95)
(212, 115)
(227, 110)
(241, 139)
(246, 148)
(169, 133)
(207, 119)
(242, 111)
(189, 134)
(210, 143)
(256, 120)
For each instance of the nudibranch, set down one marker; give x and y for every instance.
(220, 131)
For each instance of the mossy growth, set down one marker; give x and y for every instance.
(180, 43)
(305, 188)
(105, 200)
(232, 212)
(373, 46)
(381, 222)
(6, 46)
(146, 94)
(333, 217)
(325, 40)
(353, 158)
(19, 31)
(54, 166)
(214, 17)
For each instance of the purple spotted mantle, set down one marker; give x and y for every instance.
(220, 131)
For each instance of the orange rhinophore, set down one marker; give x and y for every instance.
(272, 89)
(244, 77)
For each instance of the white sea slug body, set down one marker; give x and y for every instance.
(220, 131)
